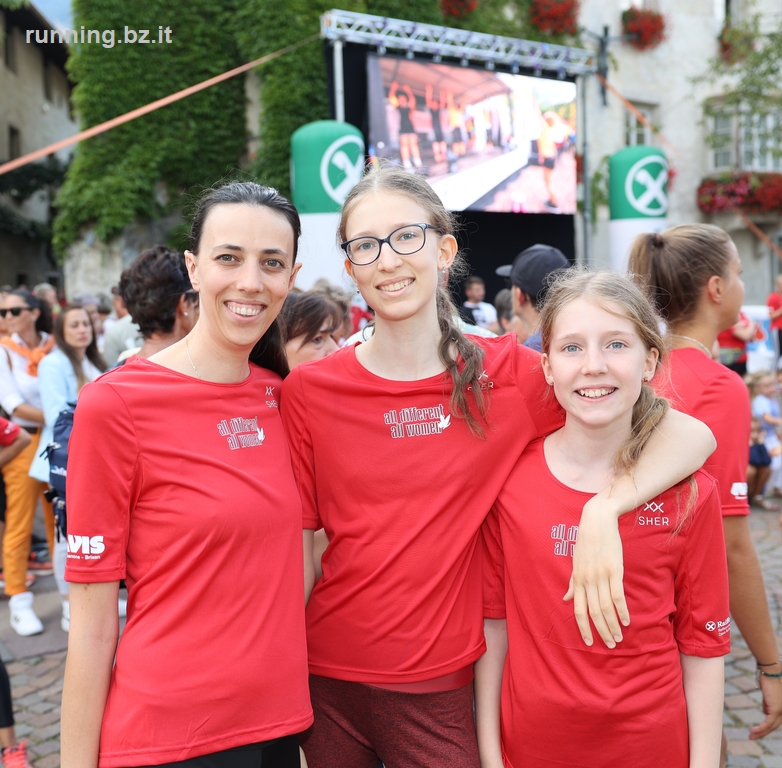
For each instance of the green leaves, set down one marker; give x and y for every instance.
(194, 141)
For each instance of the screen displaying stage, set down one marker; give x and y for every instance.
(486, 141)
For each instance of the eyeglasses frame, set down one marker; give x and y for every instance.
(4, 312)
(381, 241)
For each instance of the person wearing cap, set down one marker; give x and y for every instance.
(529, 278)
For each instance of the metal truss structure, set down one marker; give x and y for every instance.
(468, 47)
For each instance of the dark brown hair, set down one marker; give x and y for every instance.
(152, 286)
(303, 314)
(269, 351)
(91, 353)
(395, 180)
(675, 266)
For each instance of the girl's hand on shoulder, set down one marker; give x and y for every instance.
(596, 582)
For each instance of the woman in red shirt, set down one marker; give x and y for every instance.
(693, 273)
(435, 420)
(200, 515)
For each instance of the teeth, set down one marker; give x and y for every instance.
(595, 392)
(396, 286)
(244, 310)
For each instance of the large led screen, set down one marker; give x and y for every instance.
(485, 140)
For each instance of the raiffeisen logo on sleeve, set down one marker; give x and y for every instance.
(739, 491)
(85, 547)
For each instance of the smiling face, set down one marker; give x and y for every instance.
(77, 330)
(398, 287)
(596, 362)
(243, 271)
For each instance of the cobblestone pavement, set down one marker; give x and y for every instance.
(37, 680)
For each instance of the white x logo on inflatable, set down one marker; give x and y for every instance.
(336, 157)
(653, 201)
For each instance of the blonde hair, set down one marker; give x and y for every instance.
(465, 379)
(675, 266)
(606, 289)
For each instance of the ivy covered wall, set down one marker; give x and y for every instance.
(113, 177)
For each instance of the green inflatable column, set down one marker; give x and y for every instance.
(327, 159)
(637, 198)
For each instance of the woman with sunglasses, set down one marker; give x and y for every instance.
(394, 625)
(29, 323)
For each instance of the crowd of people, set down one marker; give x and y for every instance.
(510, 456)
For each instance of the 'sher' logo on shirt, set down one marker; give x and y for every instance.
(241, 433)
(565, 538)
(414, 422)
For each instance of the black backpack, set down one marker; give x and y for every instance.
(57, 453)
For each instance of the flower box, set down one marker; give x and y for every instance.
(647, 25)
(555, 17)
(752, 192)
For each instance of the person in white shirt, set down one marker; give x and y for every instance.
(29, 322)
(74, 362)
(484, 314)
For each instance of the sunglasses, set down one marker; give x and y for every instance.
(15, 311)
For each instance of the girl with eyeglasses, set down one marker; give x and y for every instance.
(29, 323)
(438, 420)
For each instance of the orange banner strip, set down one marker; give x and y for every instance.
(757, 231)
(145, 110)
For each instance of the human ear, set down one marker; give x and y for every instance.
(192, 264)
(650, 364)
(349, 268)
(545, 363)
(714, 289)
(294, 272)
(448, 248)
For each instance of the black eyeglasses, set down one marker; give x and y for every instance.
(15, 311)
(405, 241)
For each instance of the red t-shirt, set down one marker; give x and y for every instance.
(8, 432)
(717, 396)
(402, 488)
(184, 488)
(731, 346)
(564, 704)
(774, 301)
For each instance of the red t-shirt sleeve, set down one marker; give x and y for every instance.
(702, 619)
(293, 410)
(490, 543)
(8, 432)
(102, 485)
(726, 408)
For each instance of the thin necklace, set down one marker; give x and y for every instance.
(688, 338)
(187, 351)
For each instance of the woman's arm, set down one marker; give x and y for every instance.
(678, 447)
(488, 688)
(9, 452)
(704, 686)
(91, 647)
(28, 412)
(749, 608)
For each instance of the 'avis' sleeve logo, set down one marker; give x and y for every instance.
(86, 545)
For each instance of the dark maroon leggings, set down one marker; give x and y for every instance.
(356, 724)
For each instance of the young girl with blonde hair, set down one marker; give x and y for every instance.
(658, 699)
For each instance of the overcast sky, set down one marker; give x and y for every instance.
(57, 11)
